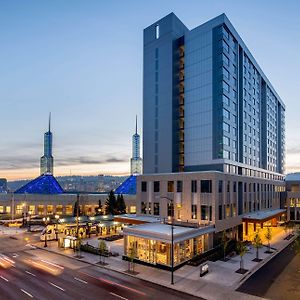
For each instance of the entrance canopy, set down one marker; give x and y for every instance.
(263, 216)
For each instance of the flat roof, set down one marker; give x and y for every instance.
(162, 232)
(133, 217)
(264, 215)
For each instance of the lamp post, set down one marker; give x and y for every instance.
(29, 219)
(46, 220)
(56, 227)
(23, 214)
(172, 238)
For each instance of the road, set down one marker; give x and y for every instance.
(37, 274)
(261, 280)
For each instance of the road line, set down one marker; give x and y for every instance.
(27, 293)
(58, 287)
(30, 273)
(80, 280)
(4, 278)
(116, 295)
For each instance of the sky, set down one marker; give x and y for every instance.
(82, 60)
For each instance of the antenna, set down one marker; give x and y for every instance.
(50, 122)
(135, 124)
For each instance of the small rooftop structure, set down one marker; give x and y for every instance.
(162, 232)
(263, 216)
(128, 187)
(44, 184)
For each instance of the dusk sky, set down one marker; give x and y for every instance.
(82, 60)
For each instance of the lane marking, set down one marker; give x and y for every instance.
(80, 280)
(30, 273)
(115, 283)
(4, 278)
(116, 295)
(27, 293)
(58, 287)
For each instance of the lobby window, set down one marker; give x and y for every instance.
(194, 186)
(157, 31)
(170, 186)
(144, 186)
(170, 209)
(156, 208)
(205, 186)
(179, 186)
(156, 186)
(143, 207)
(194, 211)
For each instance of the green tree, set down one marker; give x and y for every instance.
(241, 249)
(268, 236)
(99, 208)
(225, 242)
(102, 251)
(131, 256)
(111, 203)
(257, 243)
(121, 206)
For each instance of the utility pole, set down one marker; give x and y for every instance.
(77, 216)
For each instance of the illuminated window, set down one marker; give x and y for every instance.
(157, 31)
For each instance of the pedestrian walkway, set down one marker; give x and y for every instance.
(220, 283)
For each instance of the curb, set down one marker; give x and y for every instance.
(118, 271)
(261, 264)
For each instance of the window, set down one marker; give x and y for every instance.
(157, 31)
(156, 53)
(226, 87)
(226, 141)
(170, 208)
(194, 186)
(225, 100)
(204, 212)
(226, 113)
(144, 186)
(143, 207)
(225, 73)
(220, 212)
(205, 186)
(170, 186)
(225, 46)
(226, 33)
(226, 127)
(194, 211)
(156, 186)
(179, 186)
(225, 154)
(156, 208)
(225, 60)
(220, 186)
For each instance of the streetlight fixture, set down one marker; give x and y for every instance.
(46, 220)
(56, 227)
(172, 238)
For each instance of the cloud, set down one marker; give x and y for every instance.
(294, 150)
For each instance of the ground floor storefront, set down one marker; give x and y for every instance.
(152, 243)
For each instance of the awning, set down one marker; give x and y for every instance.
(263, 216)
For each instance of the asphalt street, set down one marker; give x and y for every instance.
(38, 274)
(261, 280)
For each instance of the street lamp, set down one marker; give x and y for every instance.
(46, 220)
(56, 227)
(172, 238)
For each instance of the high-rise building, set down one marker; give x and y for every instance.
(136, 160)
(47, 158)
(207, 103)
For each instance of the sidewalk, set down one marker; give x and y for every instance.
(219, 284)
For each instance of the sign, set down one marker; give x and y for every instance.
(204, 269)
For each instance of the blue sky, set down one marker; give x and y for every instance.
(82, 60)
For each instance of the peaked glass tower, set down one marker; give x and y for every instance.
(47, 158)
(136, 160)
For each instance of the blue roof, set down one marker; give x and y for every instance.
(128, 186)
(44, 184)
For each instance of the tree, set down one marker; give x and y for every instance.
(257, 243)
(99, 209)
(75, 209)
(296, 246)
(268, 236)
(225, 242)
(131, 256)
(241, 249)
(111, 203)
(121, 206)
(102, 251)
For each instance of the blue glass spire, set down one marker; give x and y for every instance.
(128, 187)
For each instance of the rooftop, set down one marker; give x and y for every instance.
(263, 215)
